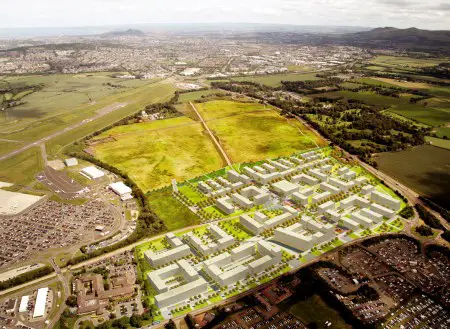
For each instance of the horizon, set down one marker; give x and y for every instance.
(432, 15)
(73, 31)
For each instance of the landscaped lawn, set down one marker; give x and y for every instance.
(235, 229)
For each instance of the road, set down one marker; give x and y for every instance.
(219, 147)
(66, 287)
(58, 133)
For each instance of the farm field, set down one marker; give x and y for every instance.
(251, 137)
(423, 168)
(275, 80)
(153, 157)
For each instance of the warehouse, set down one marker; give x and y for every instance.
(121, 190)
(41, 303)
(24, 304)
(92, 172)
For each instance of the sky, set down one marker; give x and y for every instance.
(431, 14)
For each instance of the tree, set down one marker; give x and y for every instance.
(71, 301)
(170, 325)
(121, 323)
(424, 230)
(136, 321)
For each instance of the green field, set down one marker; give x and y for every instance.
(443, 131)
(275, 80)
(153, 153)
(223, 108)
(439, 142)
(314, 309)
(69, 99)
(423, 168)
(174, 214)
(22, 168)
(62, 94)
(192, 96)
(152, 156)
(136, 100)
(251, 137)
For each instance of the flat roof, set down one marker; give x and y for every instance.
(24, 304)
(15, 202)
(93, 172)
(71, 162)
(120, 188)
(41, 301)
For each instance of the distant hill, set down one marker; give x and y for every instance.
(129, 32)
(398, 37)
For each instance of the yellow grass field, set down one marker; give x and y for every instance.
(152, 155)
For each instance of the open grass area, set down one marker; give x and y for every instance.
(174, 214)
(22, 168)
(443, 131)
(439, 142)
(145, 127)
(314, 309)
(275, 80)
(136, 100)
(223, 108)
(192, 96)
(153, 157)
(251, 137)
(423, 168)
(63, 94)
(40, 117)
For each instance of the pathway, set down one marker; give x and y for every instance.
(219, 147)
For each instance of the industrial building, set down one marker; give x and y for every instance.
(121, 190)
(41, 303)
(92, 172)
